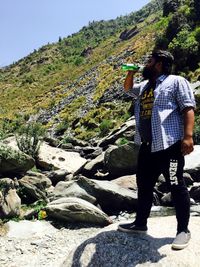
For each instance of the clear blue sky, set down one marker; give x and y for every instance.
(26, 25)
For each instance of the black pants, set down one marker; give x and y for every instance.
(170, 163)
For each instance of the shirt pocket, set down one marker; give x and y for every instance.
(165, 99)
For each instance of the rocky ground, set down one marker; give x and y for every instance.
(35, 244)
(82, 192)
(41, 244)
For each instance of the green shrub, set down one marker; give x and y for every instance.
(61, 127)
(9, 126)
(29, 78)
(105, 127)
(8, 153)
(2, 134)
(185, 49)
(197, 131)
(122, 141)
(185, 40)
(197, 34)
(6, 127)
(78, 61)
(66, 139)
(29, 138)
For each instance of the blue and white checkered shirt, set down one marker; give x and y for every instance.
(171, 95)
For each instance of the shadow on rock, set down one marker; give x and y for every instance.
(116, 249)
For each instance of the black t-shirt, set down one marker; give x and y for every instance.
(146, 104)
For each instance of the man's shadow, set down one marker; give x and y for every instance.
(117, 249)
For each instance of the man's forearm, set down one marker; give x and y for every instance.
(128, 83)
(188, 115)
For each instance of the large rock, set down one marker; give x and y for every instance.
(33, 187)
(195, 192)
(72, 189)
(128, 126)
(13, 161)
(76, 210)
(192, 163)
(10, 203)
(29, 229)
(127, 181)
(93, 165)
(195, 87)
(55, 158)
(108, 195)
(128, 34)
(121, 160)
(57, 176)
(113, 248)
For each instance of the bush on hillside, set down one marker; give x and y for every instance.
(9, 126)
(197, 131)
(170, 6)
(29, 138)
(105, 127)
(185, 49)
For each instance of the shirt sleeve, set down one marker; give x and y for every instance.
(135, 91)
(184, 94)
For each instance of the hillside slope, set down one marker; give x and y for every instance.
(76, 84)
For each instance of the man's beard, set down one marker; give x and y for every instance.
(148, 73)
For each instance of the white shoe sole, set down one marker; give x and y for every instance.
(121, 229)
(178, 247)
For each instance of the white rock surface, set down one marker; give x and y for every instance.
(192, 161)
(59, 159)
(27, 229)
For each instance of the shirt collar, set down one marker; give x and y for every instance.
(161, 78)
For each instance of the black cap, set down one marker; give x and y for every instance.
(163, 55)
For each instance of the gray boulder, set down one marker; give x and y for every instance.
(34, 187)
(121, 160)
(127, 181)
(13, 161)
(195, 192)
(72, 189)
(55, 158)
(10, 202)
(188, 179)
(76, 210)
(166, 200)
(192, 163)
(93, 165)
(128, 126)
(110, 196)
(57, 176)
(128, 34)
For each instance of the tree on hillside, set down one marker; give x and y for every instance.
(197, 10)
(182, 35)
(170, 6)
(177, 23)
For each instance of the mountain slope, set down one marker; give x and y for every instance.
(76, 84)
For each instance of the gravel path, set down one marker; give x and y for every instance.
(43, 244)
(35, 244)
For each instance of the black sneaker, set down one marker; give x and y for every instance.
(132, 228)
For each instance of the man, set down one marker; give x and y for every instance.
(164, 113)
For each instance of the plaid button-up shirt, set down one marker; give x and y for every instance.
(171, 95)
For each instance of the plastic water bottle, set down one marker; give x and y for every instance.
(129, 66)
